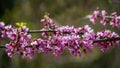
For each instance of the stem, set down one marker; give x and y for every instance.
(94, 41)
(2, 46)
(40, 31)
(109, 17)
(107, 39)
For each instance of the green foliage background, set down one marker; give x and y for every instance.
(64, 12)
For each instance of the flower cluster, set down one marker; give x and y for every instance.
(105, 18)
(104, 46)
(103, 21)
(94, 16)
(57, 39)
(49, 24)
(41, 45)
(19, 40)
(58, 45)
(72, 30)
(72, 41)
(87, 41)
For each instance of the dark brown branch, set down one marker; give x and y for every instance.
(40, 31)
(107, 39)
(2, 47)
(95, 41)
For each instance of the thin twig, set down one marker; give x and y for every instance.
(107, 39)
(2, 46)
(110, 17)
(40, 31)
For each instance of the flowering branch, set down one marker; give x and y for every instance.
(94, 41)
(56, 39)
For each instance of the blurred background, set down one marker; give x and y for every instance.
(64, 12)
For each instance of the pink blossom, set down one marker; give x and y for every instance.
(94, 16)
(115, 22)
(10, 47)
(87, 41)
(2, 24)
(103, 21)
(104, 46)
(48, 23)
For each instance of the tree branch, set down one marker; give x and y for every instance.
(40, 31)
(94, 41)
(2, 46)
(107, 39)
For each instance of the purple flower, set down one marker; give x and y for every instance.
(10, 47)
(94, 16)
(86, 28)
(2, 24)
(45, 35)
(72, 41)
(71, 30)
(104, 19)
(59, 45)
(48, 23)
(75, 52)
(87, 41)
(57, 50)
(104, 46)
(19, 40)
(6, 31)
(115, 22)
(13, 34)
(41, 45)
(74, 45)
(24, 40)
(66, 29)
(106, 34)
(29, 52)
(24, 30)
